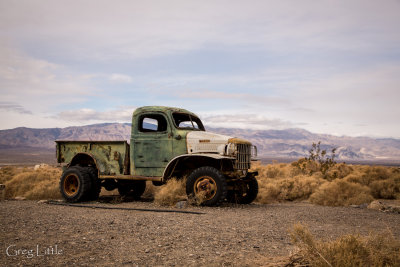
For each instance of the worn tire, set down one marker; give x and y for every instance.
(95, 184)
(246, 192)
(133, 189)
(207, 184)
(75, 184)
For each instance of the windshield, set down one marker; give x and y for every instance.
(187, 121)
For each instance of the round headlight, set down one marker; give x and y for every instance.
(231, 149)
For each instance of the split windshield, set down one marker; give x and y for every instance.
(187, 121)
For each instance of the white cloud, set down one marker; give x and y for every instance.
(87, 116)
(222, 95)
(13, 107)
(36, 83)
(245, 121)
(139, 29)
(120, 78)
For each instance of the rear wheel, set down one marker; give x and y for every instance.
(207, 185)
(133, 189)
(75, 184)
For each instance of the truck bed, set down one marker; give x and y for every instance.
(112, 157)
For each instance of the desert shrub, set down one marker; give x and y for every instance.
(341, 193)
(305, 166)
(377, 249)
(278, 182)
(357, 178)
(388, 189)
(378, 173)
(35, 184)
(296, 188)
(171, 193)
(8, 172)
(151, 190)
(368, 174)
(272, 171)
(267, 193)
(384, 182)
(317, 160)
(340, 171)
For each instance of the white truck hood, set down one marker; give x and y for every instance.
(206, 142)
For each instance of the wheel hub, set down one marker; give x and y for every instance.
(71, 185)
(205, 187)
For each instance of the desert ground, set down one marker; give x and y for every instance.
(39, 234)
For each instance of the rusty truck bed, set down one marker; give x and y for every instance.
(112, 157)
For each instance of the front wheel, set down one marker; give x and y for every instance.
(244, 192)
(207, 185)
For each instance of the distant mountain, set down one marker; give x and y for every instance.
(290, 143)
(295, 143)
(44, 138)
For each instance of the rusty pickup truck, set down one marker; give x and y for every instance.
(165, 143)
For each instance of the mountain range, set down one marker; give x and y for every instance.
(272, 144)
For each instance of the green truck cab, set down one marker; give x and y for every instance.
(165, 143)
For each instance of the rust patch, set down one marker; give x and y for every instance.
(239, 141)
(116, 156)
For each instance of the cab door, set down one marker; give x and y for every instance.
(152, 144)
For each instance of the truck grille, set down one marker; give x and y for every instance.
(243, 157)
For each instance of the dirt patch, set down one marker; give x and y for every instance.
(231, 235)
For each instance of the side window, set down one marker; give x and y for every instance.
(152, 123)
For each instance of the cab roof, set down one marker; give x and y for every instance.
(161, 109)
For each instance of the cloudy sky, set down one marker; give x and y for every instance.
(325, 66)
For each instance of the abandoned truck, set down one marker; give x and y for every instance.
(165, 143)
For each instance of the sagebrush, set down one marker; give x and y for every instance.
(341, 185)
(42, 183)
(376, 249)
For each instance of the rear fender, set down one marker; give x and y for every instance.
(87, 159)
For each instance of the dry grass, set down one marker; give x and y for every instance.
(171, 193)
(295, 188)
(8, 172)
(31, 184)
(377, 249)
(339, 171)
(341, 193)
(341, 185)
(387, 189)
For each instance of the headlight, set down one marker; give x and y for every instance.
(227, 150)
(253, 151)
(231, 149)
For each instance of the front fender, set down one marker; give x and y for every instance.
(173, 163)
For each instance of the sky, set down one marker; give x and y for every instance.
(329, 67)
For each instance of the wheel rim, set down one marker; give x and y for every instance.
(205, 187)
(71, 184)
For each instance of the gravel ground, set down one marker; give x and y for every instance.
(233, 235)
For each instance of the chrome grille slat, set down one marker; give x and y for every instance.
(243, 157)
